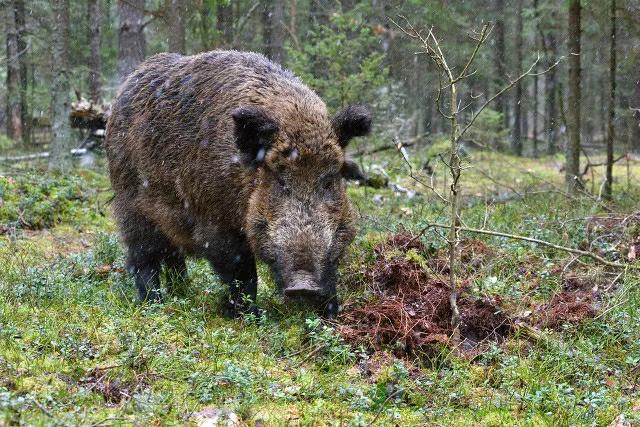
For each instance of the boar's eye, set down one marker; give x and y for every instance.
(329, 183)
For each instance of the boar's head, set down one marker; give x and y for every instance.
(299, 220)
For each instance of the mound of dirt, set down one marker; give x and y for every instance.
(567, 307)
(411, 312)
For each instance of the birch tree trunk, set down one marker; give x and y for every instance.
(61, 144)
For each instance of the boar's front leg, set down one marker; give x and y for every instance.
(146, 272)
(235, 264)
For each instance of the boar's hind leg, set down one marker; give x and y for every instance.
(237, 268)
(176, 274)
(147, 249)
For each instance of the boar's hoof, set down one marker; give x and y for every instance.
(331, 310)
(231, 310)
(151, 297)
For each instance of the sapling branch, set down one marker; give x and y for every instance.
(432, 48)
(574, 251)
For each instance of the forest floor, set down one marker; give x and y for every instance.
(547, 339)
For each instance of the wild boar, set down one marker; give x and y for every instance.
(228, 156)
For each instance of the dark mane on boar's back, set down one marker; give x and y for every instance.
(228, 156)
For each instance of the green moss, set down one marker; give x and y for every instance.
(61, 318)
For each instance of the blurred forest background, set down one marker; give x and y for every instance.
(62, 51)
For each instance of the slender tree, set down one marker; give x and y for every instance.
(274, 30)
(14, 109)
(175, 13)
(635, 106)
(516, 142)
(21, 36)
(536, 89)
(550, 89)
(608, 188)
(131, 40)
(499, 59)
(224, 24)
(95, 64)
(573, 117)
(60, 147)
(205, 25)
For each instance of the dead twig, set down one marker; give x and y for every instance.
(575, 251)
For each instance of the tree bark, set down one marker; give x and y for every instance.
(516, 142)
(60, 148)
(175, 13)
(14, 109)
(131, 41)
(21, 33)
(95, 63)
(499, 59)
(608, 188)
(550, 88)
(205, 25)
(319, 12)
(273, 27)
(572, 176)
(635, 106)
(224, 24)
(535, 82)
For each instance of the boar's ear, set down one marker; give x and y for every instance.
(254, 133)
(354, 120)
(351, 171)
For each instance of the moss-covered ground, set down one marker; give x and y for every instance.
(75, 348)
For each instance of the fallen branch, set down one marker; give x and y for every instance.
(575, 251)
(393, 146)
(34, 156)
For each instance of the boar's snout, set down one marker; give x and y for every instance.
(303, 285)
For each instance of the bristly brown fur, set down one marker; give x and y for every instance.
(226, 155)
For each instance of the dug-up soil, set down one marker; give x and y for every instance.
(409, 310)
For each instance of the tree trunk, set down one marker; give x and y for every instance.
(131, 41)
(635, 106)
(550, 83)
(516, 142)
(224, 24)
(205, 24)
(608, 188)
(95, 64)
(175, 13)
(418, 100)
(535, 82)
(14, 110)
(273, 31)
(60, 148)
(573, 117)
(320, 11)
(21, 33)
(499, 59)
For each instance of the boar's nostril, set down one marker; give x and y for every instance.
(302, 285)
